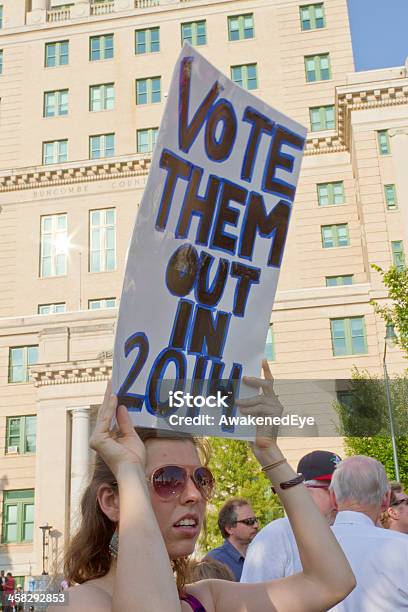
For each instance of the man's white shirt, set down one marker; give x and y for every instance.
(272, 554)
(379, 560)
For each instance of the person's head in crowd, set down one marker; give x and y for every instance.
(396, 515)
(360, 484)
(318, 467)
(180, 485)
(209, 568)
(238, 523)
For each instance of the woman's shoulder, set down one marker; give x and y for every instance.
(202, 591)
(87, 597)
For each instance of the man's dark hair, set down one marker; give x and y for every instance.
(227, 517)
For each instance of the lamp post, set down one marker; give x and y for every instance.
(45, 544)
(390, 338)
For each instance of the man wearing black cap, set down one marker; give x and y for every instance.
(273, 552)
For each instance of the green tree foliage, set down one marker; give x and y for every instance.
(237, 474)
(364, 420)
(395, 314)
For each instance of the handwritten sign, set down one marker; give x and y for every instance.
(206, 251)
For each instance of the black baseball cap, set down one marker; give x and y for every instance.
(318, 465)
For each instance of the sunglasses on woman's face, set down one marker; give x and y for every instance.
(252, 520)
(401, 501)
(169, 481)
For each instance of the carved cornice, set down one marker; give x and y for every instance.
(71, 372)
(43, 177)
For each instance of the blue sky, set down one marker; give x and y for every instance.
(379, 32)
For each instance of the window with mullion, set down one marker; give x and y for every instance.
(390, 197)
(146, 140)
(317, 67)
(102, 303)
(56, 103)
(102, 240)
(194, 32)
(102, 145)
(21, 432)
(20, 360)
(101, 97)
(241, 27)
(398, 256)
(1, 16)
(338, 281)
(348, 336)
(101, 47)
(147, 41)
(45, 309)
(148, 91)
(383, 142)
(18, 516)
(322, 118)
(312, 17)
(330, 193)
(53, 245)
(335, 235)
(55, 152)
(56, 54)
(245, 76)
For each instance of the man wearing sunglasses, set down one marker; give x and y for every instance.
(273, 553)
(238, 526)
(397, 519)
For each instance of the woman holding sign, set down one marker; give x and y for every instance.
(151, 497)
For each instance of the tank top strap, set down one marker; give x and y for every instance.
(194, 603)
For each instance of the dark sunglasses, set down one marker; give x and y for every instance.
(171, 480)
(249, 521)
(401, 501)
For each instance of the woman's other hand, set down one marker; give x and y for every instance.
(117, 451)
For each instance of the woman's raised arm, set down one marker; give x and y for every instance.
(327, 577)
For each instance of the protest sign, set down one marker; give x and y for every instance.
(205, 254)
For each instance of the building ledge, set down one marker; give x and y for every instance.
(89, 370)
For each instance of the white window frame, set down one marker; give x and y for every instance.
(102, 249)
(58, 245)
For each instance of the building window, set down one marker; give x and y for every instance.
(20, 434)
(390, 197)
(322, 118)
(317, 67)
(337, 281)
(348, 336)
(101, 146)
(55, 152)
(102, 229)
(101, 47)
(18, 516)
(54, 245)
(398, 256)
(1, 61)
(335, 235)
(194, 33)
(148, 91)
(20, 360)
(56, 103)
(1, 16)
(46, 309)
(383, 140)
(330, 193)
(312, 17)
(245, 76)
(101, 97)
(241, 27)
(102, 303)
(146, 140)
(56, 54)
(345, 398)
(147, 41)
(270, 344)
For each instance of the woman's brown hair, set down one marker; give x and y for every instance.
(88, 555)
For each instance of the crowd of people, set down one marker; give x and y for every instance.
(8, 589)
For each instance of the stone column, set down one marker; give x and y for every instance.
(38, 12)
(399, 151)
(79, 459)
